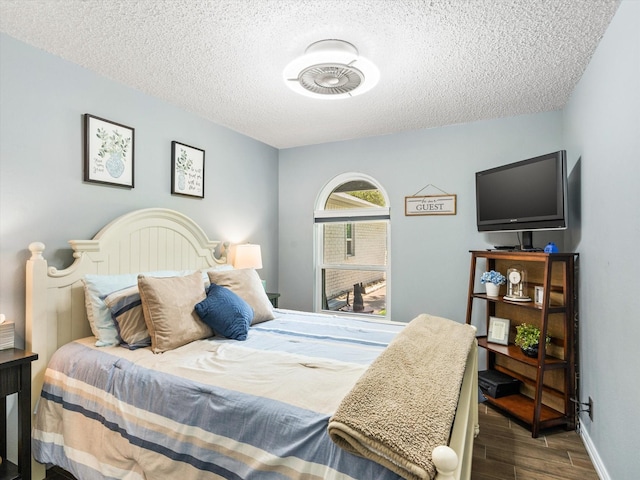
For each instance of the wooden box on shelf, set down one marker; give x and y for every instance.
(548, 381)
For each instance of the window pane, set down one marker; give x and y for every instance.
(358, 194)
(367, 244)
(352, 221)
(359, 291)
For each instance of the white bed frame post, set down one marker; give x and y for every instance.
(36, 276)
(465, 427)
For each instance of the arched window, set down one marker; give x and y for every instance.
(352, 246)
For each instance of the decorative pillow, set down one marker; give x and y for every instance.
(97, 287)
(247, 285)
(126, 310)
(168, 306)
(225, 312)
(220, 268)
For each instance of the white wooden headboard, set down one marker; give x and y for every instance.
(141, 241)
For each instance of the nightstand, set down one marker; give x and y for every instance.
(15, 377)
(273, 298)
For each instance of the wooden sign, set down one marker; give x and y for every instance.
(430, 205)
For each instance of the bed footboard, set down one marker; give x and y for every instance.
(453, 462)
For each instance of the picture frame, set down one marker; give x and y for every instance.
(109, 152)
(187, 170)
(498, 330)
(430, 205)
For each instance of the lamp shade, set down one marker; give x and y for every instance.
(248, 256)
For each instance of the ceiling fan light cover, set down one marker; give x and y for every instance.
(331, 69)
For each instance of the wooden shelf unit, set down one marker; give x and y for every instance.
(549, 380)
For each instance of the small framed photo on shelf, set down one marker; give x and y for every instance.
(498, 330)
(108, 152)
(187, 170)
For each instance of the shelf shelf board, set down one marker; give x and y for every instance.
(513, 351)
(520, 255)
(529, 381)
(522, 407)
(553, 308)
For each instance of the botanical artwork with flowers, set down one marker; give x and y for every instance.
(187, 170)
(108, 152)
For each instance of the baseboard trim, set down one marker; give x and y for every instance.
(593, 454)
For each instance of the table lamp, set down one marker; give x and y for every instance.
(249, 255)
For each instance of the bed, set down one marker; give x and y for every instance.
(277, 404)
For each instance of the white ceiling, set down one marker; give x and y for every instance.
(441, 61)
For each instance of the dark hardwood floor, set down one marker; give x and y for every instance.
(504, 450)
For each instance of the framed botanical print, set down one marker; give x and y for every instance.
(108, 152)
(187, 170)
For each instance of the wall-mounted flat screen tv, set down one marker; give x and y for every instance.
(523, 196)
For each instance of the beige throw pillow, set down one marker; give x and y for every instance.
(168, 306)
(247, 285)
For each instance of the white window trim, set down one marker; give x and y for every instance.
(345, 215)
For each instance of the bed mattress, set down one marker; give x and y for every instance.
(214, 408)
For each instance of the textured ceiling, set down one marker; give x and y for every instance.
(441, 62)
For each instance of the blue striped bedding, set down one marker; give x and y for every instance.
(214, 408)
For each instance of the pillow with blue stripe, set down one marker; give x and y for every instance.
(225, 312)
(98, 287)
(126, 310)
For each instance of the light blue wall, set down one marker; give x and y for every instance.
(602, 131)
(429, 255)
(43, 197)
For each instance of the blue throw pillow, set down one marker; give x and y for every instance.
(225, 312)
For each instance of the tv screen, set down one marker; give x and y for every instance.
(523, 196)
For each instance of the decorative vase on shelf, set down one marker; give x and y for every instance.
(531, 351)
(493, 290)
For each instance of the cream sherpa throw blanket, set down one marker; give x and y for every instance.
(404, 404)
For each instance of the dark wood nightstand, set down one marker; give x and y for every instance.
(273, 297)
(15, 377)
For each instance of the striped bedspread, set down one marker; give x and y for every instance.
(211, 409)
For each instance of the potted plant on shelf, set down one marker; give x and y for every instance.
(528, 339)
(492, 281)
